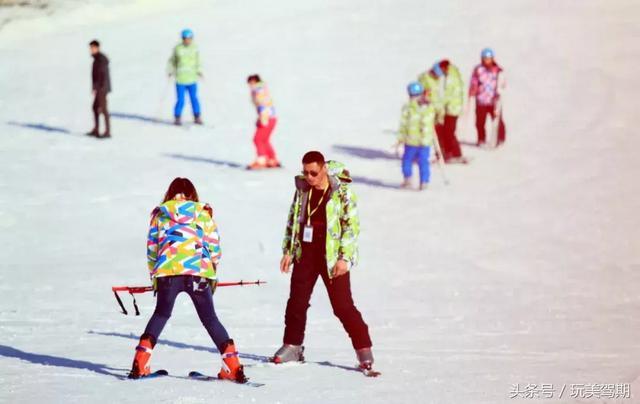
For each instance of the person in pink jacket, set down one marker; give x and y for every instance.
(487, 82)
(264, 126)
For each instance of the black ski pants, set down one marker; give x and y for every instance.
(305, 274)
(100, 107)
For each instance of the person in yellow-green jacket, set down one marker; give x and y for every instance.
(321, 241)
(184, 65)
(444, 82)
(416, 133)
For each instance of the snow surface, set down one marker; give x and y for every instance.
(524, 270)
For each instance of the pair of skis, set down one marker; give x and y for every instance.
(195, 375)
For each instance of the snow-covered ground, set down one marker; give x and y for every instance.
(525, 269)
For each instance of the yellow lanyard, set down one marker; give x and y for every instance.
(311, 212)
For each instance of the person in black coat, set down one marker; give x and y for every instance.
(101, 82)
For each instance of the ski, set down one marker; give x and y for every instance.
(366, 370)
(154, 375)
(201, 376)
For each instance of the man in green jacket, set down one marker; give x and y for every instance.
(321, 240)
(184, 64)
(444, 82)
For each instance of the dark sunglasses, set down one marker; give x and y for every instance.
(311, 173)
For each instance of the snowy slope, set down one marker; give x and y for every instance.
(524, 270)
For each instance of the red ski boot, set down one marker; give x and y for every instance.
(231, 367)
(140, 367)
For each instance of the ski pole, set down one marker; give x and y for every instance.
(436, 144)
(133, 290)
(495, 124)
(497, 112)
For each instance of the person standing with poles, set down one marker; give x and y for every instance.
(101, 86)
(184, 65)
(321, 241)
(486, 84)
(261, 98)
(183, 253)
(446, 89)
(416, 133)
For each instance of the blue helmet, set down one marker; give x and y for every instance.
(414, 88)
(187, 33)
(487, 53)
(437, 70)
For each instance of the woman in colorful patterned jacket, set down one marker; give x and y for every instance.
(183, 252)
(264, 125)
(487, 82)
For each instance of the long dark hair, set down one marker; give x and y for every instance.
(181, 186)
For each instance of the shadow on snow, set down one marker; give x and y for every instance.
(373, 182)
(48, 360)
(141, 118)
(180, 345)
(198, 159)
(365, 152)
(212, 349)
(41, 127)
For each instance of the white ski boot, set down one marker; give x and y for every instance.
(365, 359)
(289, 353)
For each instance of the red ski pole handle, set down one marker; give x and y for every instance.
(144, 289)
(132, 289)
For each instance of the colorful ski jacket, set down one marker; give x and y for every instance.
(446, 93)
(261, 98)
(453, 91)
(484, 84)
(417, 123)
(433, 87)
(183, 240)
(343, 224)
(184, 63)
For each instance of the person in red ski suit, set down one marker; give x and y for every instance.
(266, 155)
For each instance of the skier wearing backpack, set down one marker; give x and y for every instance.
(261, 98)
(321, 241)
(183, 252)
(416, 133)
(444, 84)
(487, 82)
(184, 65)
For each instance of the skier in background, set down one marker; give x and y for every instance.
(266, 155)
(416, 133)
(101, 85)
(444, 84)
(486, 84)
(183, 252)
(321, 241)
(184, 64)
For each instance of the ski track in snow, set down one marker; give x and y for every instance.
(524, 270)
